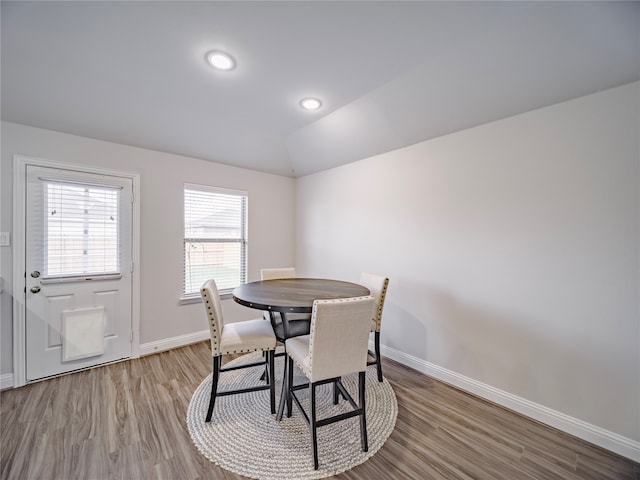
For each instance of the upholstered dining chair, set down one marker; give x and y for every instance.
(240, 337)
(377, 285)
(336, 346)
(275, 273)
(298, 323)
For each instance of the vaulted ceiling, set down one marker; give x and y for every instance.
(389, 74)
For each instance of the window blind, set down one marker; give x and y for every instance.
(80, 229)
(215, 238)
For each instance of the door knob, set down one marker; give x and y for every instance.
(35, 289)
(35, 274)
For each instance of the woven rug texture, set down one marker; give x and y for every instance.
(245, 438)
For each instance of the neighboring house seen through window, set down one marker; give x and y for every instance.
(215, 238)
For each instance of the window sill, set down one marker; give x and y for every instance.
(189, 299)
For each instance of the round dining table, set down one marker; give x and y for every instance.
(294, 295)
(289, 296)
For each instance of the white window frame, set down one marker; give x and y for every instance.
(194, 297)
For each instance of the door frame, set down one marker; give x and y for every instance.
(20, 163)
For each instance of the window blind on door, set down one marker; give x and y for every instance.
(80, 229)
(215, 238)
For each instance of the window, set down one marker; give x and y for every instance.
(215, 238)
(81, 229)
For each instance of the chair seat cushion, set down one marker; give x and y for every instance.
(247, 336)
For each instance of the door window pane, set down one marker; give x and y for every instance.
(81, 229)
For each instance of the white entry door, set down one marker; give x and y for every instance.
(78, 269)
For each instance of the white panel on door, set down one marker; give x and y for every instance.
(82, 333)
(53, 314)
(109, 300)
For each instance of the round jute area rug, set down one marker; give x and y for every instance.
(245, 438)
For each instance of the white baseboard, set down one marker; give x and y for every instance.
(603, 438)
(6, 381)
(175, 342)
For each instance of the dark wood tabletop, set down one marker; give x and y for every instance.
(294, 295)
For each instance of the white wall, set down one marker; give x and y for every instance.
(271, 232)
(512, 250)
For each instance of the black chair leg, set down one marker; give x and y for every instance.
(272, 384)
(377, 348)
(285, 389)
(363, 417)
(312, 424)
(336, 392)
(265, 375)
(289, 385)
(214, 386)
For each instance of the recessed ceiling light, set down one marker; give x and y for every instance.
(310, 103)
(220, 60)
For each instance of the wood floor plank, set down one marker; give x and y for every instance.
(597, 464)
(128, 421)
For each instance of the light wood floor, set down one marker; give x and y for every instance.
(127, 420)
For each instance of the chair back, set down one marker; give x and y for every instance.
(339, 336)
(275, 273)
(213, 308)
(377, 285)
